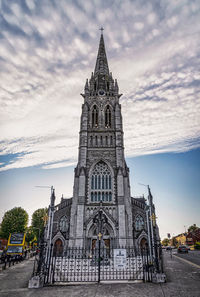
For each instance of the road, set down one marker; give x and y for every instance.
(183, 280)
(192, 256)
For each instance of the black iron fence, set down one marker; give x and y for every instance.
(7, 261)
(99, 265)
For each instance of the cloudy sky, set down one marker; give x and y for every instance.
(47, 50)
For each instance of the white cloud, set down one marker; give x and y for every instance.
(151, 18)
(59, 165)
(30, 4)
(139, 26)
(46, 57)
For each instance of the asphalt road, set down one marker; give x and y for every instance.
(192, 256)
(183, 280)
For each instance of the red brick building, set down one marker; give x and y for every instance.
(3, 243)
(193, 237)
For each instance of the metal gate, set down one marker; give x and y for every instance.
(81, 265)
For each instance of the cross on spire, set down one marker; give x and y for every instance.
(101, 29)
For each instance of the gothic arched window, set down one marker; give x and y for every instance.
(108, 86)
(101, 183)
(106, 140)
(107, 117)
(91, 140)
(111, 140)
(95, 116)
(139, 223)
(63, 224)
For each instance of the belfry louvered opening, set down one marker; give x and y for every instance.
(107, 117)
(95, 119)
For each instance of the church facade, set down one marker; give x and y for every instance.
(101, 177)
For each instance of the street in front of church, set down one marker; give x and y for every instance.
(183, 279)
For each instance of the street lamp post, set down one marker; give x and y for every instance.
(185, 228)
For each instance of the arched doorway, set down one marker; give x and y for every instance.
(143, 243)
(58, 248)
(106, 236)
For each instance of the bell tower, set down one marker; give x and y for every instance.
(101, 179)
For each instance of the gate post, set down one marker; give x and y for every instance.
(49, 263)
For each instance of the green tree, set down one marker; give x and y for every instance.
(193, 228)
(197, 246)
(14, 220)
(165, 242)
(39, 219)
(30, 235)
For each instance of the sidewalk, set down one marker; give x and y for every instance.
(183, 280)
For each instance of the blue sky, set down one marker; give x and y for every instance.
(48, 49)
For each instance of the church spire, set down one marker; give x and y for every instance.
(101, 63)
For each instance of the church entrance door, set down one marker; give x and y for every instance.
(104, 244)
(58, 248)
(143, 243)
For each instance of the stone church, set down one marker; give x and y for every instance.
(101, 177)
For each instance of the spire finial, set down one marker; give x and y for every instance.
(101, 29)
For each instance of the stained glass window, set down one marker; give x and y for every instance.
(139, 223)
(101, 183)
(63, 224)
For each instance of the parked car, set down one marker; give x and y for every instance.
(182, 249)
(168, 248)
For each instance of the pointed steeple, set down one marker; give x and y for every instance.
(86, 87)
(150, 196)
(101, 82)
(101, 63)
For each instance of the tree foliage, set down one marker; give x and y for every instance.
(14, 220)
(165, 242)
(30, 234)
(39, 219)
(197, 246)
(193, 228)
